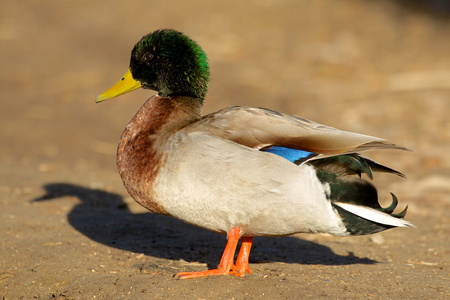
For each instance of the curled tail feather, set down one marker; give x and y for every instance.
(355, 199)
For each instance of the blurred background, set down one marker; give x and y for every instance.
(376, 67)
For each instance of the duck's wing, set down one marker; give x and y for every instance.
(263, 128)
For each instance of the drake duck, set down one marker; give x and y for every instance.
(241, 171)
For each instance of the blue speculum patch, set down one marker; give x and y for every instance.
(293, 155)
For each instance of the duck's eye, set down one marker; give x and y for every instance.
(147, 57)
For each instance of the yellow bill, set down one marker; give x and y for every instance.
(125, 85)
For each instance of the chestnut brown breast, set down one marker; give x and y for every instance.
(140, 155)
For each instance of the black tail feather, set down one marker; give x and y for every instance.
(343, 176)
(359, 226)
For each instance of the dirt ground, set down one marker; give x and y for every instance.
(68, 229)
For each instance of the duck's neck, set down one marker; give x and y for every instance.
(141, 147)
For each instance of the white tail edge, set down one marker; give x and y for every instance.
(374, 215)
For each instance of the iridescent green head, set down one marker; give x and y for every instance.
(166, 61)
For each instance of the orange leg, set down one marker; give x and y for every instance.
(242, 259)
(226, 263)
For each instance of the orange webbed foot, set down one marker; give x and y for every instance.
(189, 275)
(226, 265)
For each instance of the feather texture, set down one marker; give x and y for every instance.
(259, 128)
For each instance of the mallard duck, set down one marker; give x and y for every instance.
(241, 171)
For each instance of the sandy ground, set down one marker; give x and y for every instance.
(68, 229)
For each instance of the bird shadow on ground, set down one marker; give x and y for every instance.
(104, 217)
